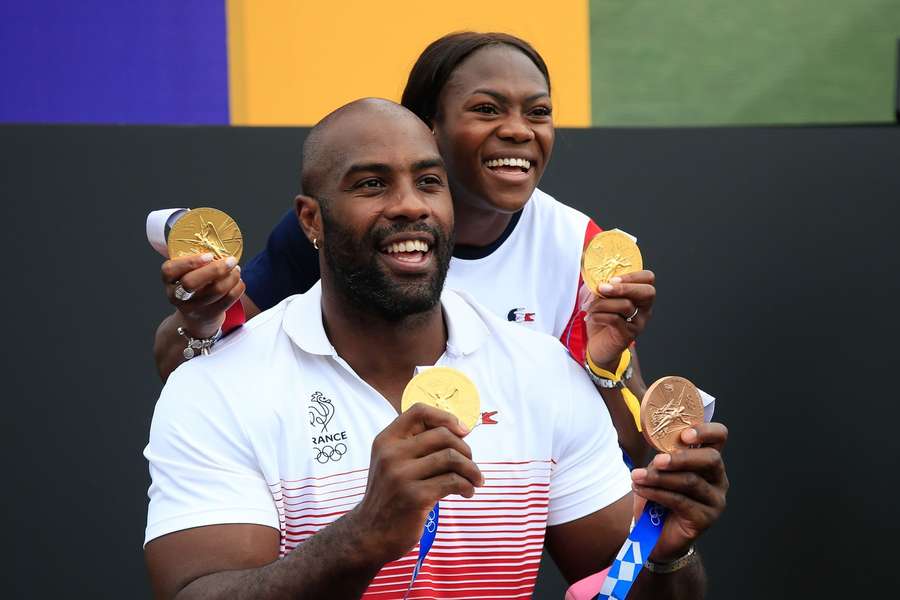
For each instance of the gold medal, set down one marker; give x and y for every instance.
(203, 230)
(671, 405)
(446, 389)
(607, 255)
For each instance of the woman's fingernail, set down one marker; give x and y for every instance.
(638, 475)
(605, 287)
(206, 257)
(230, 262)
(689, 436)
(615, 280)
(662, 460)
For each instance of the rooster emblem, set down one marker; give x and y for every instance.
(321, 410)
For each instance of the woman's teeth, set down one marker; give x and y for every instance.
(522, 163)
(407, 246)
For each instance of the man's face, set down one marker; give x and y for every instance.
(387, 215)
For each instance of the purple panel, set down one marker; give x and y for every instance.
(90, 61)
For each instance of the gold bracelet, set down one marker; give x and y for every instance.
(670, 567)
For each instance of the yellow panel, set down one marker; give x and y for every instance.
(293, 61)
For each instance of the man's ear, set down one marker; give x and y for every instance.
(309, 216)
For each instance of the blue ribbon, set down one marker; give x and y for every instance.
(425, 542)
(634, 552)
(627, 460)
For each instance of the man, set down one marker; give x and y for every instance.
(282, 469)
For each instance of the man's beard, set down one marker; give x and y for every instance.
(361, 279)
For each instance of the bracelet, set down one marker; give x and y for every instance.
(605, 383)
(670, 567)
(194, 345)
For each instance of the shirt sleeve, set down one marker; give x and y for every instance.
(202, 466)
(234, 318)
(288, 265)
(588, 473)
(574, 336)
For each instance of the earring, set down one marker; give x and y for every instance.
(315, 243)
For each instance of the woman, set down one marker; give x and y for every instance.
(487, 99)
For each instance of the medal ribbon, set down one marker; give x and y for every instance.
(425, 542)
(630, 559)
(631, 401)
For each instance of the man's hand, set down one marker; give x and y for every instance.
(608, 329)
(216, 285)
(691, 483)
(417, 460)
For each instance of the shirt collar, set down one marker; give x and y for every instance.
(303, 322)
(466, 329)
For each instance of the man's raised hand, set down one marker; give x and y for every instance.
(691, 483)
(416, 460)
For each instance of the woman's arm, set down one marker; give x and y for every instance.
(168, 345)
(287, 265)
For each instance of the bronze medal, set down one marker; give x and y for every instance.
(607, 255)
(203, 230)
(446, 389)
(671, 405)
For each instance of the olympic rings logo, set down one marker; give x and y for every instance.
(332, 453)
(431, 522)
(656, 513)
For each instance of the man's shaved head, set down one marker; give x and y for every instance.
(328, 142)
(373, 181)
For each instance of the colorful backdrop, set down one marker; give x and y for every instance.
(288, 62)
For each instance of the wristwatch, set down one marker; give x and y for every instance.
(670, 567)
(609, 383)
(197, 345)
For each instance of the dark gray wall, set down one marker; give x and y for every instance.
(776, 256)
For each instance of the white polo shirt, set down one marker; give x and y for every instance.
(534, 276)
(274, 428)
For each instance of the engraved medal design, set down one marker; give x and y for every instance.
(446, 389)
(204, 230)
(608, 254)
(671, 405)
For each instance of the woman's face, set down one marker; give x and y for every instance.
(494, 128)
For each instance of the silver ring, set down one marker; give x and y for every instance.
(181, 293)
(633, 315)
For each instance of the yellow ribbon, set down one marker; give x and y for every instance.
(631, 400)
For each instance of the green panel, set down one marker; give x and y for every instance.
(685, 62)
